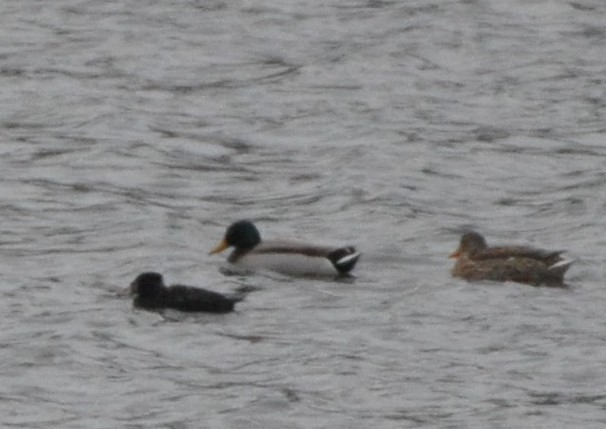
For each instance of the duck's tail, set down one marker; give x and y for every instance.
(344, 259)
(559, 268)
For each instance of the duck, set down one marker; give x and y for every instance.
(290, 258)
(150, 293)
(522, 264)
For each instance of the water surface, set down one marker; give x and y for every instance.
(133, 132)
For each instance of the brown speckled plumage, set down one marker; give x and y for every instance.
(476, 261)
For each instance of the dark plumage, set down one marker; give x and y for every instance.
(286, 257)
(477, 261)
(150, 293)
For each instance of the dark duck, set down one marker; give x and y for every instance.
(150, 293)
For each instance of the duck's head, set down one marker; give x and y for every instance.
(471, 243)
(148, 287)
(242, 234)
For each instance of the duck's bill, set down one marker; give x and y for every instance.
(220, 247)
(455, 254)
(125, 291)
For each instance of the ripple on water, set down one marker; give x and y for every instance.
(132, 135)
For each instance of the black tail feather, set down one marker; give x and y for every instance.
(344, 259)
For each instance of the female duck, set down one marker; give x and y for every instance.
(477, 261)
(150, 293)
(285, 257)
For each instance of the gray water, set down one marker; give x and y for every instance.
(133, 132)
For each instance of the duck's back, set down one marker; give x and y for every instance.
(188, 298)
(546, 257)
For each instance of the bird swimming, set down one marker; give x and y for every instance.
(150, 293)
(286, 257)
(522, 264)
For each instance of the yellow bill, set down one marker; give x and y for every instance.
(220, 247)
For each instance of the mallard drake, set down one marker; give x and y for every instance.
(150, 293)
(477, 261)
(285, 257)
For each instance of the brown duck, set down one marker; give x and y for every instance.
(476, 261)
